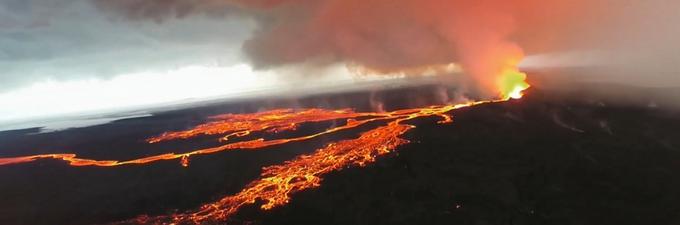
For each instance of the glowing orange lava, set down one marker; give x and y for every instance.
(230, 125)
(271, 121)
(279, 182)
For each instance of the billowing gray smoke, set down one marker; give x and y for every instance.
(380, 36)
(626, 41)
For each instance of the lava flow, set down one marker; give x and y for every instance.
(279, 182)
(236, 125)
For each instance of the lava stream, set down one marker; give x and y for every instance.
(272, 121)
(279, 182)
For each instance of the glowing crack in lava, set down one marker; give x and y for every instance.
(279, 182)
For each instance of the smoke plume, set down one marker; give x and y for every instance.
(382, 36)
(485, 37)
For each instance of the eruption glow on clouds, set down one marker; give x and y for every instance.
(384, 36)
(377, 37)
(486, 38)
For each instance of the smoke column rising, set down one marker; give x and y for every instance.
(485, 37)
(382, 36)
(387, 36)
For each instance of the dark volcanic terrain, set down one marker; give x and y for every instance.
(549, 158)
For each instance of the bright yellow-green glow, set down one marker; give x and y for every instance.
(511, 83)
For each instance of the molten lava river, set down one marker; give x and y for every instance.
(278, 182)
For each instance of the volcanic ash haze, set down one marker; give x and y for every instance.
(380, 36)
(629, 42)
(390, 36)
(633, 39)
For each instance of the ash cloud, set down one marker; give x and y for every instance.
(634, 41)
(387, 35)
(381, 35)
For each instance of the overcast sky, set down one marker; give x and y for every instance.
(66, 56)
(66, 40)
(59, 57)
